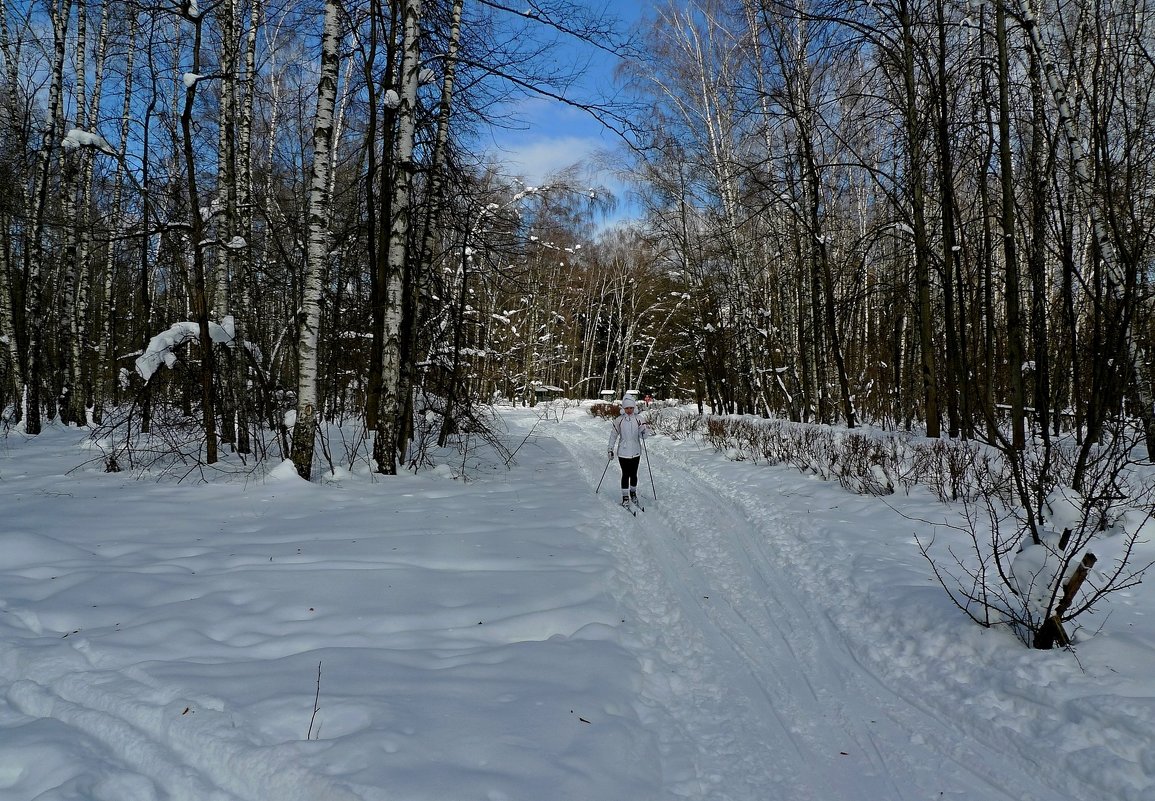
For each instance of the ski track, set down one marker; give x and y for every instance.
(747, 706)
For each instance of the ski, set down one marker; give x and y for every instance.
(629, 508)
(637, 501)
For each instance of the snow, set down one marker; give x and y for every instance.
(77, 138)
(161, 348)
(756, 633)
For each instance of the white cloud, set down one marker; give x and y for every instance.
(534, 160)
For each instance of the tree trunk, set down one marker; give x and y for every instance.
(954, 374)
(200, 299)
(227, 223)
(305, 429)
(914, 132)
(387, 446)
(378, 181)
(1015, 357)
(34, 252)
(73, 161)
(1084, 185)
(9, 314)
(243, 258)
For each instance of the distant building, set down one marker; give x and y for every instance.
(545, 392)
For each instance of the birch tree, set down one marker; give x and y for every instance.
(34, 249)
(388, 444)
(10, 113)
(229, 241)
(319, 215)
(107, 385)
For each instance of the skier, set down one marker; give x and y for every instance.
(627, 432)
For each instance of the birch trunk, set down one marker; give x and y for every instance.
(109, 385)
(305, 428)
(82, 396)
(435, 201)
(232, 374)
(71, 167)
(34, 253)
(381, 119)
(387, 448)
(244, 204)
(8, 336)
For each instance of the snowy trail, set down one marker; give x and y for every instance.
(754, 635)
(756, 674)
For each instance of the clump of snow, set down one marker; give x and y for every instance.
(1034, 573)
(77, 138)
(442, 471)
(1064, 508)
(285, 471)
(160, 350)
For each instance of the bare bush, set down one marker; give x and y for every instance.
(1041, 554)
(172, 446)
(1022, 557)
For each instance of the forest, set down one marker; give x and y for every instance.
(231, 225)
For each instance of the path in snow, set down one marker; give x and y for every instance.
(759, 694)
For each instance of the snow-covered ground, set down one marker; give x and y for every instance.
(754, 634)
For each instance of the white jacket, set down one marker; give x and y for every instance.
(630, 429)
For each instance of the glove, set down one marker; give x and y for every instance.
(610, 455)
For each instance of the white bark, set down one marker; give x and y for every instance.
(304, 431)
(226, 157)
(11, 53)
(70, 170)
(390, 424)
(106, 347)
(61, 11)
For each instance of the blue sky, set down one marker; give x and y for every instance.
(555, 135)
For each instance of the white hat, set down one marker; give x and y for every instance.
(628, 402)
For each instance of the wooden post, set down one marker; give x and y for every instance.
(1052, 629)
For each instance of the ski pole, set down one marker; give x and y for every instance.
(603, 478)
(648, 468)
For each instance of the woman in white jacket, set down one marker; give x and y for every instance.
(627, 432)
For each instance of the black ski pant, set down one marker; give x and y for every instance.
(630, 471)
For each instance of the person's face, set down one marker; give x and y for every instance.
(629, 410)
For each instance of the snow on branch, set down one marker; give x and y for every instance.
(161, 348)
(78, 138)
